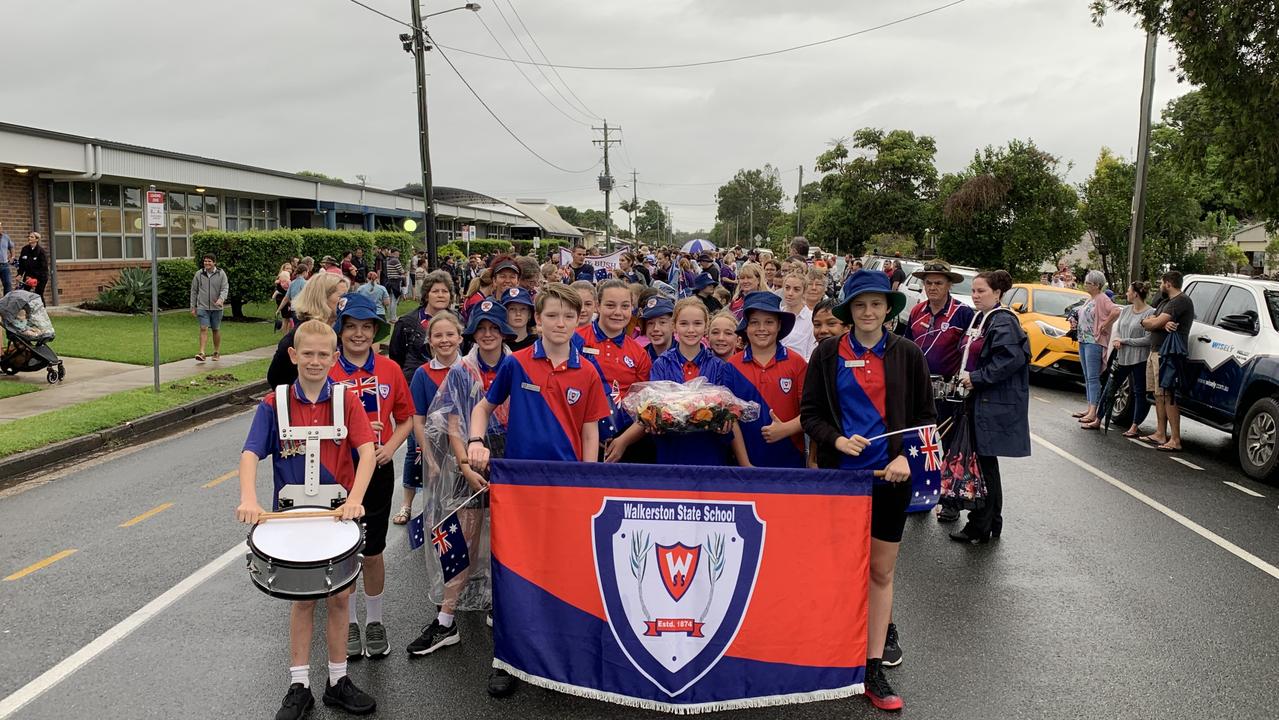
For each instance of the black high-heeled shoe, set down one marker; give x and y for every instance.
(964, 537)
(996, 527)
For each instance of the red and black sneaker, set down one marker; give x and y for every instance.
(878, 691)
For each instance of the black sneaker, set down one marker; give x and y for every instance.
(297, 703)
(892, 649)
(947, 515)
(350, 698)
(502, 683)
(434, 637)
(878, 691)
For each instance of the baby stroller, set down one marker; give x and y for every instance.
(28, 331)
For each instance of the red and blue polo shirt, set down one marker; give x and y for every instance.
(338, 458)
(776, 386)
(939, 335)
(379, 384)
(620, 358)
(543, 398)
(862, 395)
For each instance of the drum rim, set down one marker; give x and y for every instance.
(308, 596)
(306, 564)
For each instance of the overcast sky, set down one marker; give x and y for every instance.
(324, 85)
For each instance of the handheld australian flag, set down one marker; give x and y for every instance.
(924, 451)
(450, 547)
(417, 531)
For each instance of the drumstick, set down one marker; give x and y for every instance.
(337, 512)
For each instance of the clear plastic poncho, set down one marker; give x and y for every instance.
(445, 489)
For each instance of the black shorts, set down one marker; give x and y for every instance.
(377, 508)
(888, 510)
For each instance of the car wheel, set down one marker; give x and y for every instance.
(1121, 409)
(1258, 441)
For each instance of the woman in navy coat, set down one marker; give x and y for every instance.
(998, 374)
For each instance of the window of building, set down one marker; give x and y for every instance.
(105, 221)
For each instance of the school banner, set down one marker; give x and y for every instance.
(681, 589)
(609, 262)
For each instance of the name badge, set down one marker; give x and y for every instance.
(591, 351)
(530, 386)
(854, 363)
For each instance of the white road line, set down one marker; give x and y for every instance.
(1139, 443)
(121, 630)
(1243, 489)
(1042, 400)
(1187, 463)
(1186, 522)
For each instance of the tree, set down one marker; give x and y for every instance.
(570, 214)
(652, 224)
(888, 187)
(752, 197)
(1190, 138)
(630, 207)
(593, 218)
(318, 175)
(1106, 211)
(1010, 208)
(1228, 49)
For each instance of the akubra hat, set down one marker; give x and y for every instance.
(868, 281)
(769, 302)
(938, 267)
(491, 310)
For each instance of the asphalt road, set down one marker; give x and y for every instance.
(1127, 585)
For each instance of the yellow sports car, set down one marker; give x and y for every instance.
(1043, 310)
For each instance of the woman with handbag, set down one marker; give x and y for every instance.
(997, 375)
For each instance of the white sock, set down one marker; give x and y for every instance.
(445, 619)
(337, 671)
(300, 674)
(372, 608)
(354, 619)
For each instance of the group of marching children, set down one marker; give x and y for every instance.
(543, 378)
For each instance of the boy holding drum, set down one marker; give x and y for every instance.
(310, 404)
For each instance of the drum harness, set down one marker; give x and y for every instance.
(311, 492)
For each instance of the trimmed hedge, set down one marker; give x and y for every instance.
(491, 247)
(175, 282)
(407, 242)
(251, 260)
(318, 243)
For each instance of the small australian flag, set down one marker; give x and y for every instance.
(450, 546)
(417, 532)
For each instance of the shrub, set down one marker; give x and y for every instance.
(452, 249)
(130, 293)
(550, 247)
(175, 282)
(486, 247)
(318, 243)
(407, 242)
(251, 260)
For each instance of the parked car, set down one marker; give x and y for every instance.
(961, 291)
(1043, 310)
(875, 262)
(1233, 368)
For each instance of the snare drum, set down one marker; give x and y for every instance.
(306, 558)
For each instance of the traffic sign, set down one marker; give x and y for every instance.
(155, 209)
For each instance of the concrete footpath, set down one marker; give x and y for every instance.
(91, 379)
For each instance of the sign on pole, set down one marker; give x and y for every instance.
(155, 219)
(155, 209)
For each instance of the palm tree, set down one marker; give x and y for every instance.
(630, 207)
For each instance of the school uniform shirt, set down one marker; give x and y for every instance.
(777, 387)
(621, 359)
(939, 335)
(544, 398)
(426, 383)
(702, 447)
(379, 385)
(338, 458)
(862, 399)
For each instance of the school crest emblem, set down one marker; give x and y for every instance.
(513, 292)
(785, 384)
(486, 306)
(652, 303)
(676, 577)
(341, 303)
(628, 361)
(573, 395)
(384, 390)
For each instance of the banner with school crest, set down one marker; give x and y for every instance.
(681, 589)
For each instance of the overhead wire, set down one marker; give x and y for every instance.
(554, 69)
(528, 79)
(497, 6)
(719, 61)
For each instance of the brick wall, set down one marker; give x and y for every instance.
(82, 281)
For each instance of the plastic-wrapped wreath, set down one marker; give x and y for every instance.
(663, 406)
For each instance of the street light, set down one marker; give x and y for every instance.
(415, 43)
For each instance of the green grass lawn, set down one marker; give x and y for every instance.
(11, 388)
(117, 408)
(127, 338)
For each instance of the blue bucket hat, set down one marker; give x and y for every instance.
(358, 306)
(516, 295)
(769, 302)
(657, 306)
(703, 281)
(491, 310)
(868, 281)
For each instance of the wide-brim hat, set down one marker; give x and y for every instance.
(703, 281)
(328, 260)
(657, 306)
(359, 306)
(491, 310)
(517, 295)
(868, 281)
(769, 302)
(938, 267)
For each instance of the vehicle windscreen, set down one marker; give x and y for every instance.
(1051, 302)
(1272, 302)
(965, 287)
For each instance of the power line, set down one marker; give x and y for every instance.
(719, 61)
(392, 18)
(538, 45)
(497, 6)
(527, 79)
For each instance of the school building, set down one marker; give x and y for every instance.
(85, 196)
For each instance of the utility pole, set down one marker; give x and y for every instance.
(630, 216)
(1138, 226)
(799, 201)
(752, 214)
(423, 135)
(670, 225)
(606, 181)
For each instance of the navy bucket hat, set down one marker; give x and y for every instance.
(769, 302)
(516, 295)
(657, 306)
(703, 281)
(491, 310)
(358, 306)
(868, 281)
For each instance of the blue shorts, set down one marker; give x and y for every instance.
(211, 319)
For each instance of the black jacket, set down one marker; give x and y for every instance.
(408, 347)
(1001, 388)
(282, 370)
(33, 262)
(908, 402)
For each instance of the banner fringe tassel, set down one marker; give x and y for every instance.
(678, 708)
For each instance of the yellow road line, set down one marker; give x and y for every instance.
(147, 514)
(42, 564)
(220, 479)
